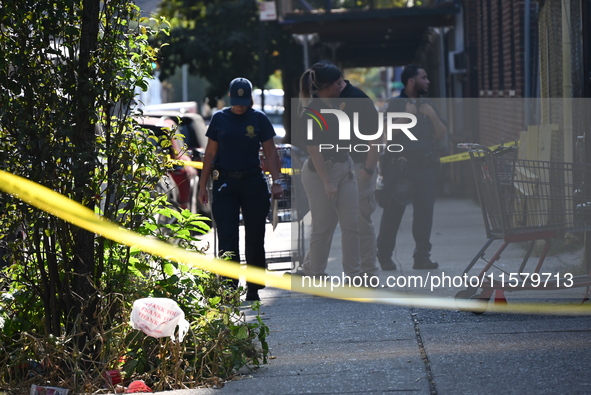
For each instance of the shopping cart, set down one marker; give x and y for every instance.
(526, 201)
(282, 212)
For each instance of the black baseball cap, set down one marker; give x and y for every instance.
(240, 92)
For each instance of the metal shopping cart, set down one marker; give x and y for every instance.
(286, 211)
(526, 201)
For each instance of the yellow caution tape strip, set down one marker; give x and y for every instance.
(444, 159)
(199, 165)
(455, 158)
(466, 155)
(73, 212)
(179, 162)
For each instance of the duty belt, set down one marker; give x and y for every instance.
(414, 160)
(328, 163)
(219, 173)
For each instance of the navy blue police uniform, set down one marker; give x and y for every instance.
(239, 184)
(409, 176)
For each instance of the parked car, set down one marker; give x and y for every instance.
(181, 186)
(182, 107)
(193, 128)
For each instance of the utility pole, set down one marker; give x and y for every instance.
(267, 12)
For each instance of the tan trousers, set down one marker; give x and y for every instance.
(367, 234)
(327, 213)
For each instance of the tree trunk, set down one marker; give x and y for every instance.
(83, 265)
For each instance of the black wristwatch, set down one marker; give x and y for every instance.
(368, 171)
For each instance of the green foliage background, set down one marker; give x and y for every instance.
(223, 39)
(69, 72)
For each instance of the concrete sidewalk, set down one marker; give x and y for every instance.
(328, 346)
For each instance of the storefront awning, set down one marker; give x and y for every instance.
(371, 38)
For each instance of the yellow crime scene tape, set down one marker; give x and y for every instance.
(444, 159)
(466, 156)
(180, 162)
(68, 210)
(199, 165)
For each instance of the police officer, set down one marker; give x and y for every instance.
(235, 136)
(419, 163)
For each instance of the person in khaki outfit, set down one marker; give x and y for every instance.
(328, 178)
(353, 99)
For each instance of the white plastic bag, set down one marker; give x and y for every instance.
(159, 317)
(42, 390)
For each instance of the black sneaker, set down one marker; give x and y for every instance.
(252, 295)
(301, 272)
(387, 264)
(424, 264)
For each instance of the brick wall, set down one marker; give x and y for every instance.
(499, 54)
(495, 38)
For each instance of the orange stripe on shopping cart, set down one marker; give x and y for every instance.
(466, 156)
(60, 206)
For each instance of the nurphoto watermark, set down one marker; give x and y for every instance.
(393, 123)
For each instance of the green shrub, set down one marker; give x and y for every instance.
(68, 75)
